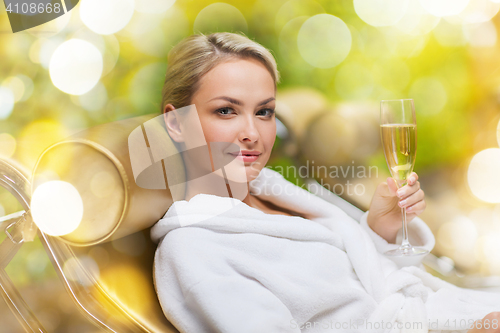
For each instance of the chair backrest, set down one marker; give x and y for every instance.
(107, 262)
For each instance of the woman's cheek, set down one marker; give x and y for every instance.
(217, 133)
(270, 138)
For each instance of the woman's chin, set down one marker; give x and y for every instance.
(252, 174)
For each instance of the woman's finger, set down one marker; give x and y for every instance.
(408, 190)
(417, 208)
(392, 187)
(412, 178)
(412, 199)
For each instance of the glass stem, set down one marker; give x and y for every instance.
(405, 244)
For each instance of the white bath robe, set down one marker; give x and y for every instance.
(223, 266)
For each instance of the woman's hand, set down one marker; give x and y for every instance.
(384, 216)
(489, 324)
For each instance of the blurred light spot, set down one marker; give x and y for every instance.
(496, 217)
(88, 35)
(353, 82)
(47, 49)
(449, 34)
(220, 17)
(380, 12)
(102, 184)
(483, 219)
(95, 99)
(37, 136)
(57, 208)
(153, 43)
(380, 93)
(393, 74)
(153, 6)
(263, 15)
(111, 54)
(108, 46)
(28, 87)
(7, 100)
(7, 145)
(324, 41)
(45, 176)
(372, 41)
(174, 27)
(295, 8)
(442, 8)
(429, 95)
(2, 210)
(16, 85)
(478, 11)
(34, 52)
(147, 84)
(288, 47)
(358, 43)
(106, 17)
(484, 175)
(74, 269)
(490, 251)
(141, 24)
(416, 20)
(403, 45)
(459, 233)
(76, 67)
(481, 35)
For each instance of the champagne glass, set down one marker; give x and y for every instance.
(398, 129)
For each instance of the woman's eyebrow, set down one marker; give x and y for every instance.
(237, 102)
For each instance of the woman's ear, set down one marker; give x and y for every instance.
(172, 123)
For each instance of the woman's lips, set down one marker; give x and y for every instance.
(247, 156)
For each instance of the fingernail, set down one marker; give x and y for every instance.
(408, 209)
(400, 193)
(402, 203)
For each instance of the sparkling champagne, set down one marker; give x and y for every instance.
(399, 141)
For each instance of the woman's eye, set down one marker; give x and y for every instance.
(266, 112)
(225, 111)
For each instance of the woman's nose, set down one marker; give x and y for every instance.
(248, 132)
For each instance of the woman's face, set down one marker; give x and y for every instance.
(235, 102)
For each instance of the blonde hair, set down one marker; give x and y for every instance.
(193, 57)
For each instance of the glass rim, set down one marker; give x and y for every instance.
(394, 100)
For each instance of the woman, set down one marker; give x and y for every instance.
(268, 256)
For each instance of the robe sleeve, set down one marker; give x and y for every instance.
(419, 234)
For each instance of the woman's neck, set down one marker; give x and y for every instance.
(215, 185)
